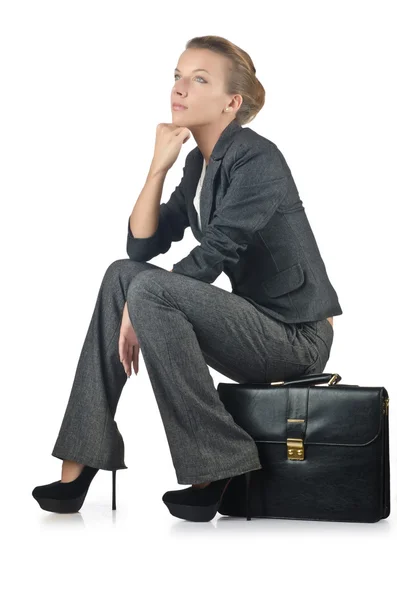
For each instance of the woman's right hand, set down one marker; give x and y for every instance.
(169, 140)
(128, 344)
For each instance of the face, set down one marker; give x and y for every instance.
(200, 86)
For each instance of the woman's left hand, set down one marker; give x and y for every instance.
(128, 344)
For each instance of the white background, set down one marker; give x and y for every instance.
(83, 86)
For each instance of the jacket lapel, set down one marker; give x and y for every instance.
(208, 190)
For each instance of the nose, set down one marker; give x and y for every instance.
(177, 95)
(179, 86)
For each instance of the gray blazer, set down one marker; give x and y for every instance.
(254, 228)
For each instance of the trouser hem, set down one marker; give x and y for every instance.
(190, 479)
(87, 461)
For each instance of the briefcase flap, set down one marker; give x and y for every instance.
(329, 414)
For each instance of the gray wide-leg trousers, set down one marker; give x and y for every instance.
(183, 325)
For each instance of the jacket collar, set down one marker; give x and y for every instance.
(208, 192)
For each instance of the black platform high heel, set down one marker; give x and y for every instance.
(68, 497)
(201, 504)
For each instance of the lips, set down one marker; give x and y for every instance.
(177, 106)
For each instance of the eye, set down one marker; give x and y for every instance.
(176, 75)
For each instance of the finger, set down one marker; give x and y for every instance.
(129, 359)
(135, 359)
(123, 357)
(121, 347)
(125, 367)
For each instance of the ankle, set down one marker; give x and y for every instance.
(70, 470)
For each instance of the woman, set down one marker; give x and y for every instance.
(238, 196)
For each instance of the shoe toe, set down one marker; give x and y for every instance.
(176, 495)
(168, 496)
(40, 490)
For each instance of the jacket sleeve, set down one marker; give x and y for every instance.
(173, 220)
(257, 187)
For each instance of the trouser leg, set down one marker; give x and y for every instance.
(89, 434)
(184, 325)
(205, 442)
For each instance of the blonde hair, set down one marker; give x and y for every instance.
(240, 78)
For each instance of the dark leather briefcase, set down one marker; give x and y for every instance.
(324, 450)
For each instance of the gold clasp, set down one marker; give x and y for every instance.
(295, 449)
(334, 379)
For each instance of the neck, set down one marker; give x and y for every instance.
(206, 137)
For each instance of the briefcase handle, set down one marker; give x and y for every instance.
(313, 378)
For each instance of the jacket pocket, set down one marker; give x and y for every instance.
(285, 281)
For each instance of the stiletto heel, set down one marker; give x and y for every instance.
(114, 490)
(247, 495)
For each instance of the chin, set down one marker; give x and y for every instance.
(179, 118)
